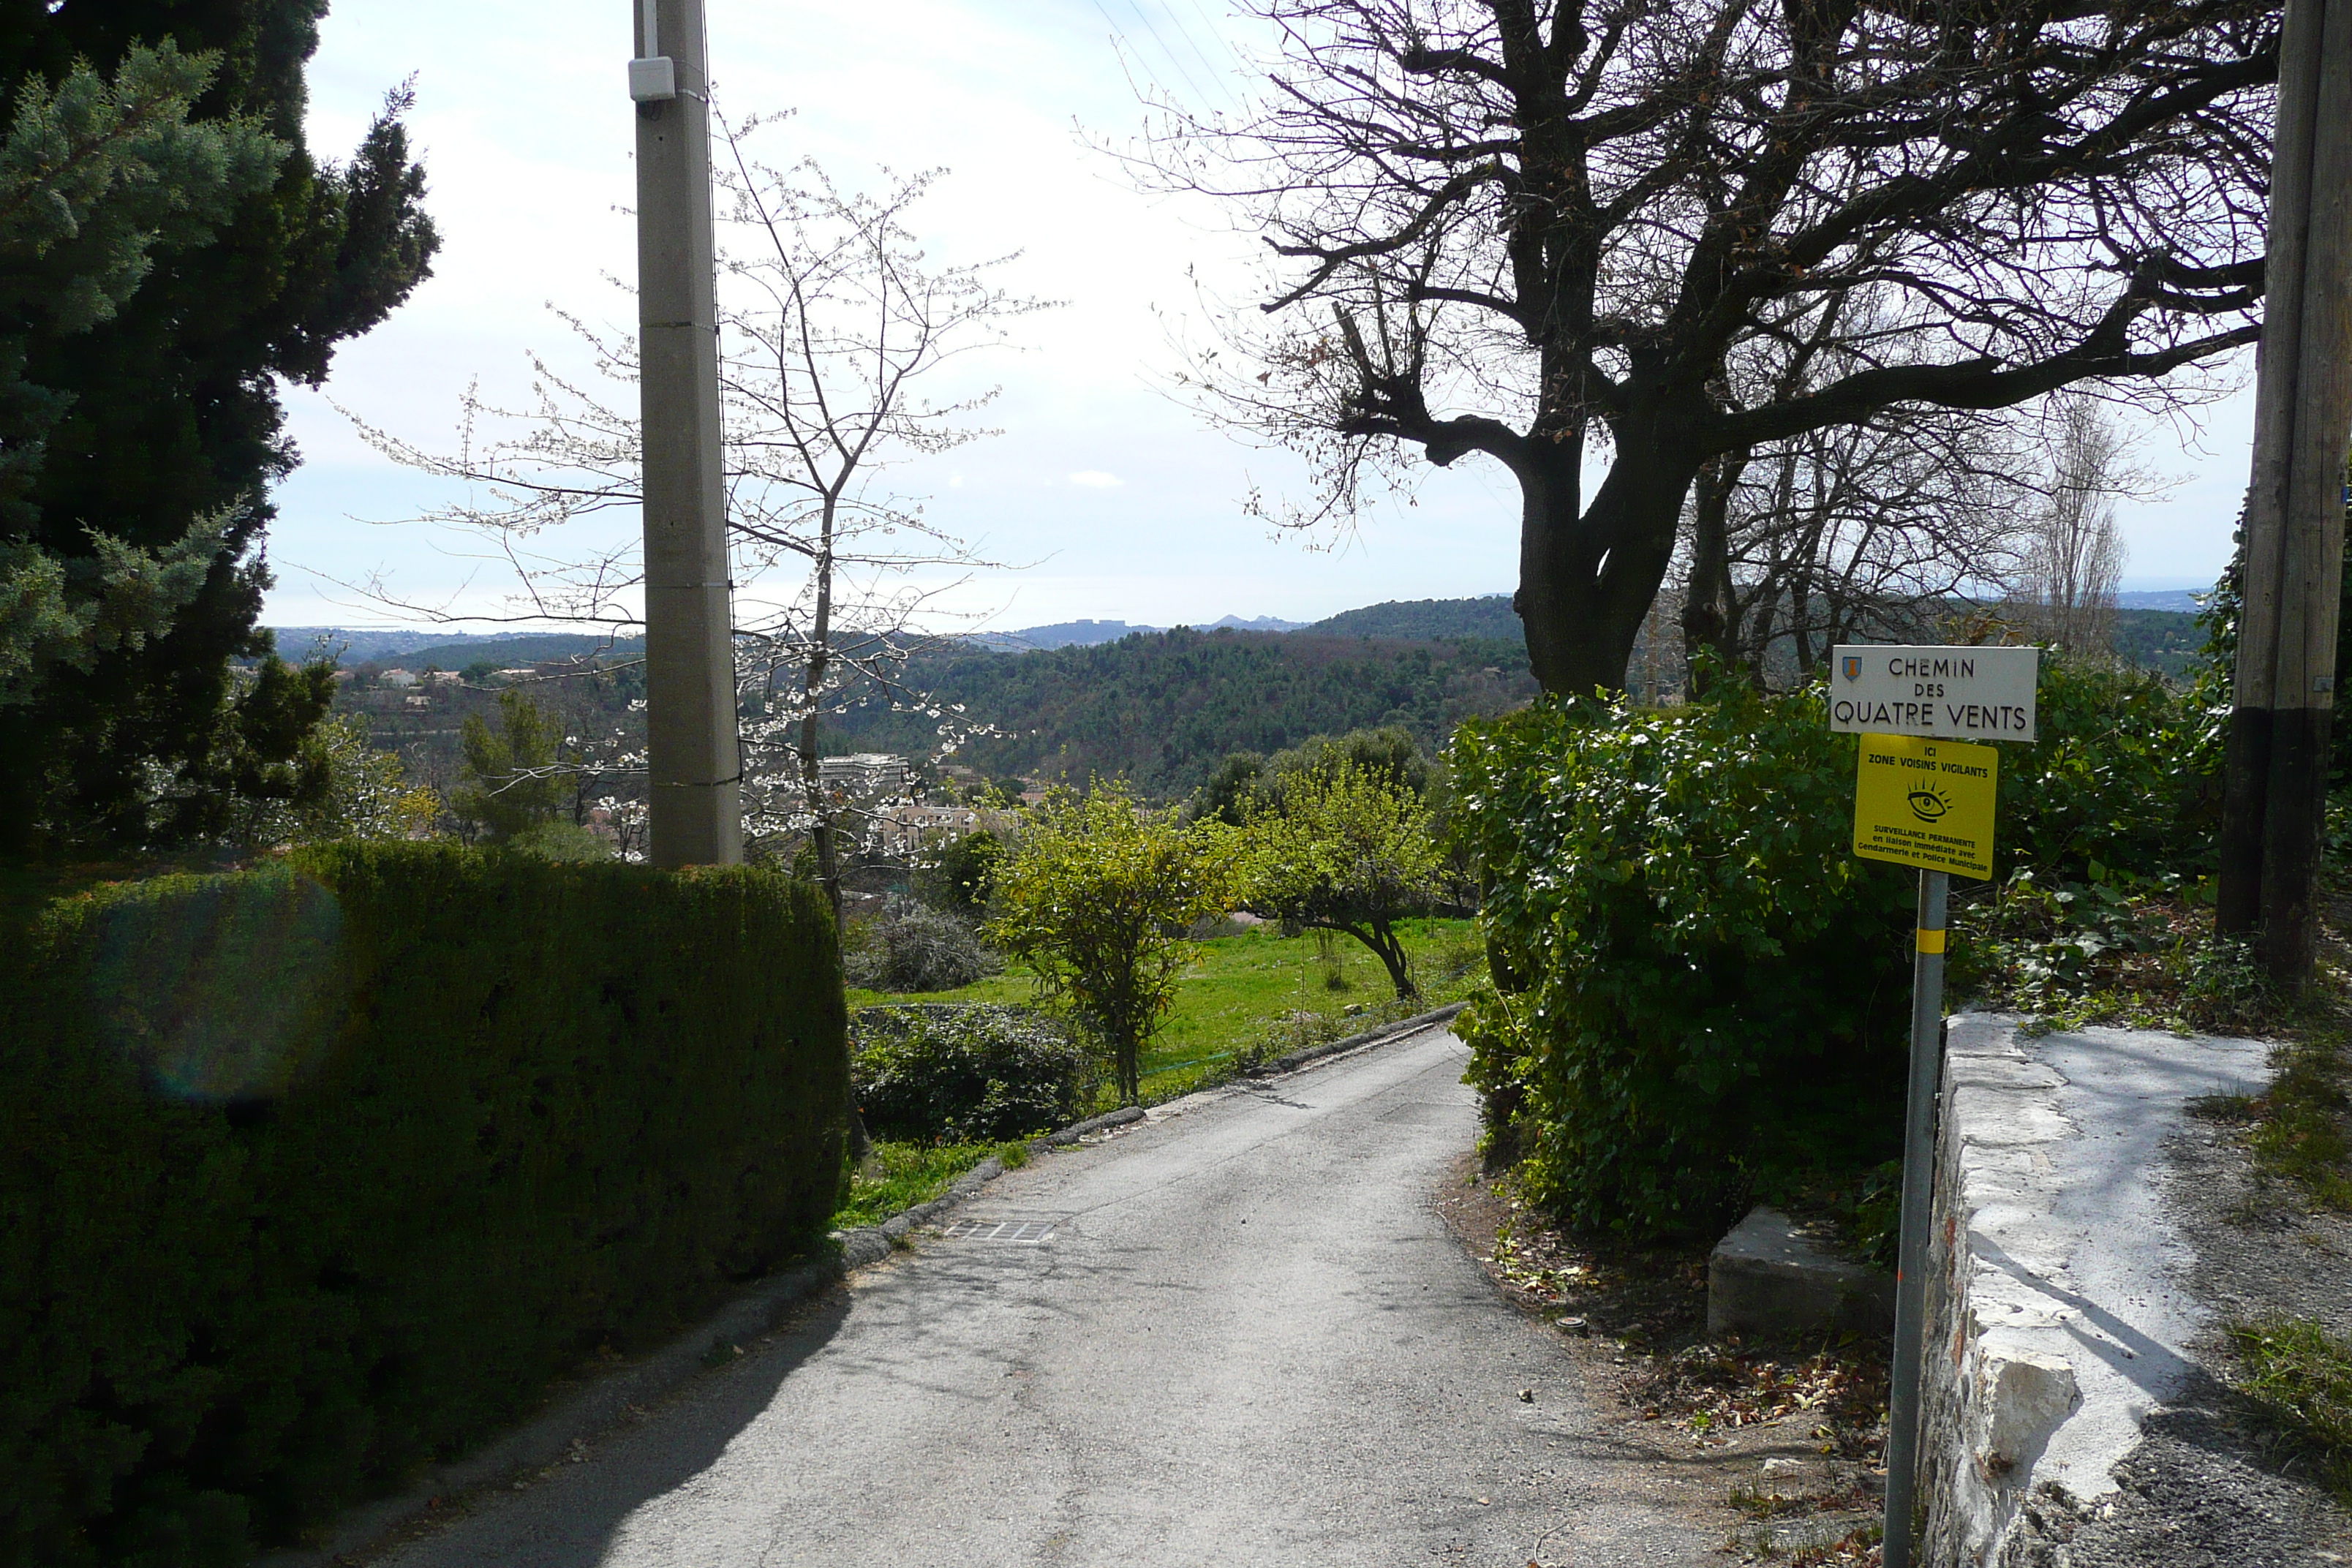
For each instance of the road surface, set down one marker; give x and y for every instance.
(1245, 1339)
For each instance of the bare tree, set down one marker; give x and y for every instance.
(1523, 227)
(2075, 559)
(835, 328)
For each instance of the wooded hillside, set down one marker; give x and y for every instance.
(1162, 709)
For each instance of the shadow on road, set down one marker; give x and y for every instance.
(568, 1518)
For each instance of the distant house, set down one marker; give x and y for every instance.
(864, 773)
(902, 830)
(444, 678)
(398, 677)
(524, 673)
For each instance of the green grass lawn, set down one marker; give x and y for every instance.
(1241, 990)
(900, 1175)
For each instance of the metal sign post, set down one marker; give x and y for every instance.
(1919, 1195)
(1924, 797)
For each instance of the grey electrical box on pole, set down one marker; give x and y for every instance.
(697, 815)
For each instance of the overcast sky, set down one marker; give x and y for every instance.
(1129, 508)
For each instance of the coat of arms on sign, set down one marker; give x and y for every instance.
(1854, 667)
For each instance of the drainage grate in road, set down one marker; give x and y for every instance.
(1031, 1229)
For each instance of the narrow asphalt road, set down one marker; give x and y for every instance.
(1248, 1340)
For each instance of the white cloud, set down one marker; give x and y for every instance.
(1095, 480)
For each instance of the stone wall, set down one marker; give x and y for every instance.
(2056, 1319)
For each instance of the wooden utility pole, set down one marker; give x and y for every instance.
(2283, 694)
(696, 773)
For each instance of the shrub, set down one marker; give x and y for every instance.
(936, 1072)
(318, 1174)
(2125, 772)
(1699, 985)
(957, 871)
(910, 947)
(1700, 991)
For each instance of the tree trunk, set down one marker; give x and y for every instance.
(1709, 623)
(1586, 582)
(1383, 940)
(821, 838)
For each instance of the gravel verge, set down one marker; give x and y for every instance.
(2210, 1486)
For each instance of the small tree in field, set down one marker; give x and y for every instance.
(1096, 898)
(1348, 848)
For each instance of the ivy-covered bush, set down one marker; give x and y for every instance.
(2125, 772)
(1701, 994)
(315, 1174)
(936, 1072)
(1697, 985)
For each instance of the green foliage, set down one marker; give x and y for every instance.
(369, 794)
(2113, 949)
(1231, 790)
(1389, 753)
(950, 1074)
(2304, 1128)
(1256, 983)
(316, 1174)
(510, 786)
(2125, 773)
(957, 871)
(2302, 1375)
(1699, 988)
(2166, 641)
(1345, 846)
(1097, 897)
(561, 841)
(170, 254)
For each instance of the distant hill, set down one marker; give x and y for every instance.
(1164, 709)
(2179, 600)
(1092, 634)
(1490, 617)
(522, 651)
(2164, 640)
(352, 647)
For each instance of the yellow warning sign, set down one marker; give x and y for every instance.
(1925, 802)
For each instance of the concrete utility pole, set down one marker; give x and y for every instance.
(697, 772)
(2284, 695)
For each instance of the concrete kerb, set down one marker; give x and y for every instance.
(1386, 1032)
(610, 1398)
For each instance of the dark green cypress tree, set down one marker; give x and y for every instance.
(167, 415)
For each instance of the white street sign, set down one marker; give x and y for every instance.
(1958, 693)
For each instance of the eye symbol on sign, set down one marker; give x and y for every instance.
(1928, 806)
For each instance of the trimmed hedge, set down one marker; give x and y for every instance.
(312, 1175)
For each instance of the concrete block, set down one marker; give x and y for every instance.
(1766, 1280)
(2026, 1394)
